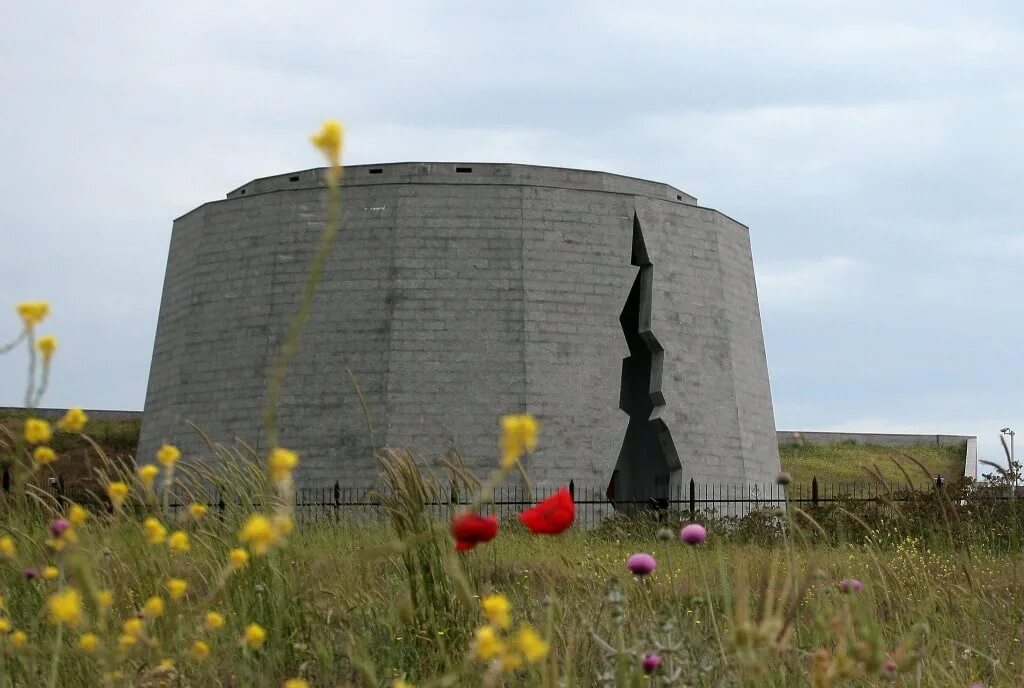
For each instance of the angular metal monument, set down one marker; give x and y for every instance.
(617, 310)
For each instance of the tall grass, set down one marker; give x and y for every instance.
(351, 604)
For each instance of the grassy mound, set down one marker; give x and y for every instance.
(76, 463)
(853, 464)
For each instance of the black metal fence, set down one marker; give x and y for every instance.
(362, 505)
(593, 505)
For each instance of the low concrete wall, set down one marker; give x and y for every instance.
(971, 460)
(890, 440)
(54, 414)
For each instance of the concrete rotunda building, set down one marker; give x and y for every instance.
(617, 310)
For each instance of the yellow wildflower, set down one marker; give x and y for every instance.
(154, 531)
(7, 547)
(198, 510)
(237, 558)
(531, 644)
(18, 639)
(88, 643)
(496, 609)
(214, 621)
(5, 625)
(511, 661)
(126, 641)
(296, 683)
(168, 455)
(399, 683)
(330, 140)
(33, 312)
(77, 515)
(50, 572)
(105, 599)
(37, 431)
(178, 542)
(254, 635)
(134, 627)
(65, 607)
(200, 651)
(518, 436)
(166, 664)
(44, 456)
(176, 588)
(281, 463)
(74, 420)
(487, 644)
(153, 608)
(147, 475)
(259, 533)
(117, 491)
(47, 345)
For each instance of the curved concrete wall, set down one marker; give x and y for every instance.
(457, 293)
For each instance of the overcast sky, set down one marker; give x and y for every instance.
(875, 150)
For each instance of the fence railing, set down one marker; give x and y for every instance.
(593, 504)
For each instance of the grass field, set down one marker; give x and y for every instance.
(355, 605)
(77, 462)
(854, 464)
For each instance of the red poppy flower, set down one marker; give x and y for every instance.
(469, 529)
(551, 516)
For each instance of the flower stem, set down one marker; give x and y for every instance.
(30, 389)
(43, 382)
(13, 343)
(298, 322)
(58, 645)
(711, 609)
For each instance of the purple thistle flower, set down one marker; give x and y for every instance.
(641, 564)
(59, 526)
(31, 574)
(651, 663)
(693, 534)
(848, 585)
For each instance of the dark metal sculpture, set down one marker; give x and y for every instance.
(648, 458)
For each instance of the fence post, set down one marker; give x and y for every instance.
(572, 490)
(693, 499)
(814, 491)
